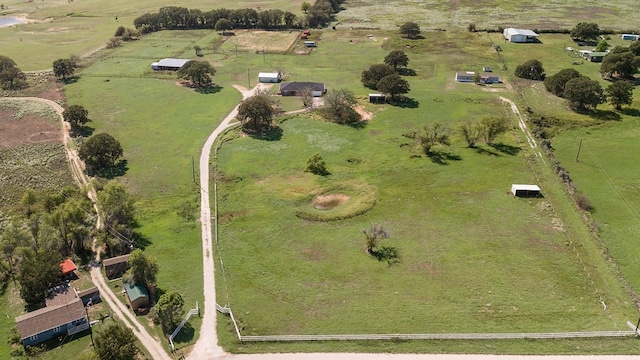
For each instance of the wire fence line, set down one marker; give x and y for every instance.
(437, 336)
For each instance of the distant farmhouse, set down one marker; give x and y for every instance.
(520, 35)
(470, 76)
(594, 56)
(169, 64)
(296, 88)
(467, 76)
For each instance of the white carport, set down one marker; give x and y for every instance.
(525, 190)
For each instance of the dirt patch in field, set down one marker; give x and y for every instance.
(269, 41)
(29, 129)
(364, 114)
(329, 201)
(429, 269)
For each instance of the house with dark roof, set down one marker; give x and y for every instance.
(169, 64)
(137, 296)
(48, 322)
(115, 266)
(296, 88)
(594, 56)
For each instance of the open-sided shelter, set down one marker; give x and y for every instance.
(523, 190)
(115, 266)
(170, 64)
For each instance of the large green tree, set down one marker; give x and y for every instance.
(410, 30)
(620, 64)
(393, 85)
(555, 83)
(115, 341)
(620, 93)
(63, 68)
(531, 69)
(11, 77)
(198, 72)
(256, 114)
(492, 127)
(100, 152)
(116, 207)
(374, 73)
(583, 93)
(40, 270)
(76, 115)
(143, 269)
(170, 310)
(396, 59)
(339, 107)
(223, 25)
(585, 31)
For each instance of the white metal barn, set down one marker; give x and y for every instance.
(525, 190)
(269, 77)
(520, 35)
(169, 64)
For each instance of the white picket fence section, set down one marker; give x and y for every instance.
(443, 336)
(195, 311)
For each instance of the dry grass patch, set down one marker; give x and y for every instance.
(269, 41)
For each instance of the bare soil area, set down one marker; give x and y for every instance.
(329, 201)
(29, 129)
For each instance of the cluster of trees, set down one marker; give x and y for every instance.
(584, 93)
(385, 77)
(121, 34)
(11, 77)
(622, 62)
(52, 226)
(143, 269)
(174, 17)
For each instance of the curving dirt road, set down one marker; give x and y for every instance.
(153, 345)
(206, 346)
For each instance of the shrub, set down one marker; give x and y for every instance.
(583, 202)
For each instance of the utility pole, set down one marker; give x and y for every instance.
(578, 154)
(89, 320)
(248, 79)
(263, 56)
(193, 170)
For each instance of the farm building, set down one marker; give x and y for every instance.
(490, 79)
(525, 190)
(310, 43)
(468, 76)
(520, 35)
(68, 267)
(137, 296)
(269, 77)
(595, 56)
(115, 266)
(169, 64)
(60, 320)
(377, 98)
(90, 296)
(296, 88)
(630, 37)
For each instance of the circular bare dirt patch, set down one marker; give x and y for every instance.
(329, 201)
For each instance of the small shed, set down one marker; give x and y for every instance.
(630, 37)
(595, 56)
(115, 266)
(137, 296)
(522, 190)
(467, 76)
(310, 43)
(377, 98)
(169, 64)
(296, 88)
(68, 267)
(269, 77)
(520, 35)
(90, 296)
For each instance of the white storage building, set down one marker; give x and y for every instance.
(269, 77)
(520, 35)
(525, 190)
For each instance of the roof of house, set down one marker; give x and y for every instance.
(269, 74)
(593, 53)
(135, 291)
(60, 295)
(514, 31)
(525, 187)
(171, 62)
(88, 292)
(115, 260)
(49, 317)
(68, 266)
(298, 86)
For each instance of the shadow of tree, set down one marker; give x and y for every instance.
(605, 115)
(443, 157)
(405, 102)
(358, 124)
(406, 72)
(141, 242)
(186, 334)
(71, 80)
(483, 151)
(274, 133)
(631, 112)
(209, 89)
(83, 130)
(117, 170)
(506, 149)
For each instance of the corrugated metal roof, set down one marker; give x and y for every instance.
(135, 291)
(170, 62)
(115, 260)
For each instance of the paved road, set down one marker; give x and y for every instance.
(207, 346)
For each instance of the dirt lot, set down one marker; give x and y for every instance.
(269, 41)
(29, 129)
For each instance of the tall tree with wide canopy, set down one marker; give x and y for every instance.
(583, 93)
(116, 207)
(143, 269)
(40, 270)
(396, 59)
(620, 64)
(620, 93)
(531, 69)
(256, 114)
(555, 83)
(11, 77)
(393, 85)
(100, 152)
(76, 115)
(198, 72)
(115, 341)
(585, 31)
(339, 105)
(374, 73)
(410, 30)
(170, 310)
(63, 68)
